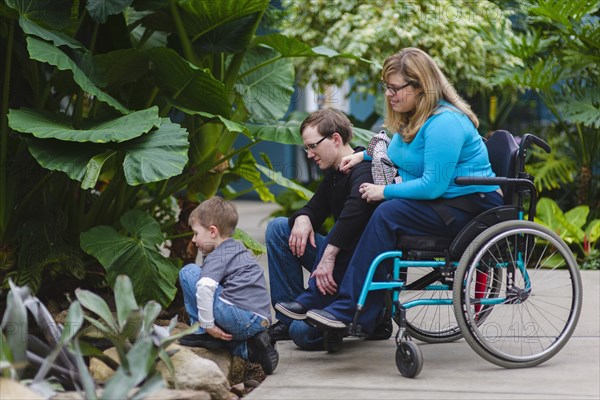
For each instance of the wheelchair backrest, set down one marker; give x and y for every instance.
(502, 151)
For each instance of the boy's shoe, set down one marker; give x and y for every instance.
(202, 340)
(292, 309)
(260, 350)
(279, 331)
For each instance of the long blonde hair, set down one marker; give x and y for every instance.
(419, 69)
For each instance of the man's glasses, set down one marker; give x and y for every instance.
(313, 146)
(394, 90)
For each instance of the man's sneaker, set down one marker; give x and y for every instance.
(292, 309)
(279, 331)
(384, 328)
(202, 340)
(324, 320)
(260, 350)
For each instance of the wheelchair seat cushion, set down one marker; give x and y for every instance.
(423, 243)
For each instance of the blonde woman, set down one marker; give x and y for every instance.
(436, 140)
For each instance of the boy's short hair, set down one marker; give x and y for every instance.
(329, 121)
(218, 212)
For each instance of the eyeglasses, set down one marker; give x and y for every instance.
(394, 89)
(313, 146)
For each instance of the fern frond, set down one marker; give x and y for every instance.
(552, 170)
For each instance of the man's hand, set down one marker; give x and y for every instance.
(218, 333)
(371, 192)
(301, 233)
(323, 274)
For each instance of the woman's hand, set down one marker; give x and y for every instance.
(350, 161)
(218, 333)
(371, 192)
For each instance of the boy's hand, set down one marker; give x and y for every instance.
(218, 333)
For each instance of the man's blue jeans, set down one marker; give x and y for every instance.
(286, 278)
(240, 323)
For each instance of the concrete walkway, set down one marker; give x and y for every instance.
(367, 370)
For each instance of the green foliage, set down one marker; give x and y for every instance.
(139, 343)
(572, 226)
(558, 53)
(112, 117)
(463, 36)
(134, 254)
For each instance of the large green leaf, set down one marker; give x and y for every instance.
(265, 86)
(157, 155)
(45, 52)
(287, 132)
(230, 125)
(245, 167)
(57, 126)
(190, 86)
(55, 13)
(122, 66)
(99, 10)
(361, 137)
(292, 47)
(281, 180)
(136, 255)
(225, 26)
(56, 37)
(69, 157)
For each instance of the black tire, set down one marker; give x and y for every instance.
(530, 322)
(409, 359)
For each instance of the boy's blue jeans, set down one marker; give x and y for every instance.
(240, 323)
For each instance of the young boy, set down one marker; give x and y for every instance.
(227, 295)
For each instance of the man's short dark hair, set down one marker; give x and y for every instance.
(328, 121)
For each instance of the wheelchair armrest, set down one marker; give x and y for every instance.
(501, 181)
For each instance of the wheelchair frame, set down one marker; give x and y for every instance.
(490, 270)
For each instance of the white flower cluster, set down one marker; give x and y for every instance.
(463, 36)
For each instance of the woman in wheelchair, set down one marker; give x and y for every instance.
(436, 140)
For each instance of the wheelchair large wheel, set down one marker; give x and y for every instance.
(535, 308)
(428, 323)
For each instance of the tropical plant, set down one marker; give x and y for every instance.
(572, 226)
(59, 353)
(113, 106)
(558, 49)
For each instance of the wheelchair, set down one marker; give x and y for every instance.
(508, 285)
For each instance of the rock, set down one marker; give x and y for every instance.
(238, 389)
(196, 373)
(172, 394)
(100, 371)
(10, 389)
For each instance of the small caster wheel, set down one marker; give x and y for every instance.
(409, 359)
(332, 340)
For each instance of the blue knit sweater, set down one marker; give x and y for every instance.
(447, 146)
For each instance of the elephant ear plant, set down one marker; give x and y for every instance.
(59, 354)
